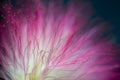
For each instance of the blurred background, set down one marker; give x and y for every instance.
(109, 10)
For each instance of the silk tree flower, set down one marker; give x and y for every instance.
(51, 41)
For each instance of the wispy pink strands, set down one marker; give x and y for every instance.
(52, 43)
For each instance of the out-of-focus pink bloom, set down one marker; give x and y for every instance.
(39, 42)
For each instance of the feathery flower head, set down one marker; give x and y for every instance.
(50, 41)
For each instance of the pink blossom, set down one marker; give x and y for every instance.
(54, 42)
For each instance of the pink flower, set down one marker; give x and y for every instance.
(40, 42)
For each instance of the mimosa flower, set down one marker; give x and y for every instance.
(49, 41)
